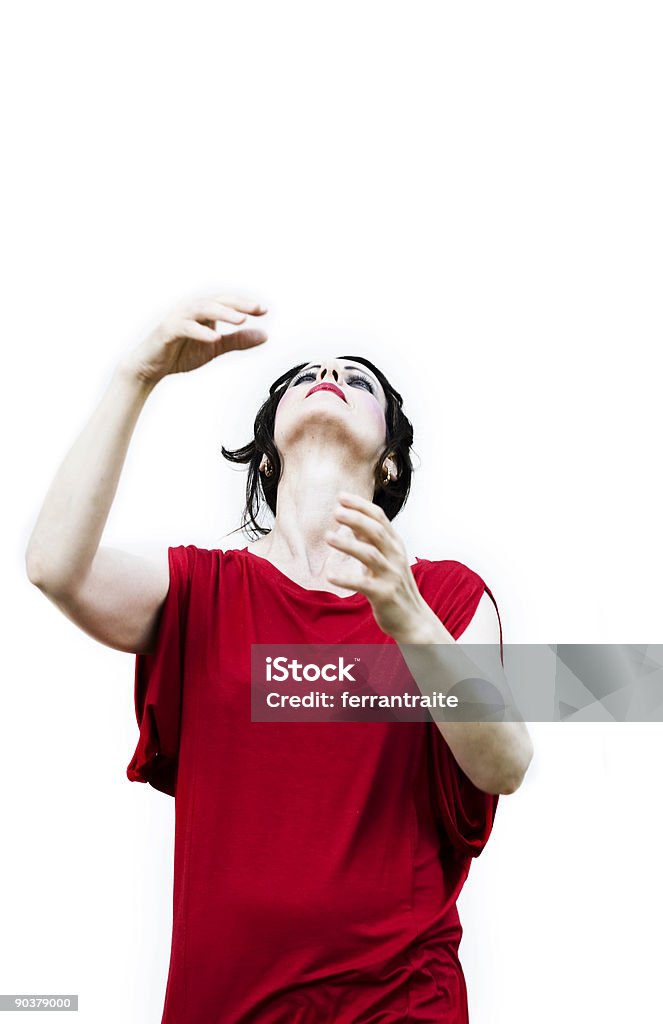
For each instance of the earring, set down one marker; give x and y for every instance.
(266, 466)
(386, 475)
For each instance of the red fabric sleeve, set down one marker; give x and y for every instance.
(158, 685)
(464, 813)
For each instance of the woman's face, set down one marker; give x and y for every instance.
(351, 412)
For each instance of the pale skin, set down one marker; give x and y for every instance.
(327, 534)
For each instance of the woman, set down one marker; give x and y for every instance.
(317, 866)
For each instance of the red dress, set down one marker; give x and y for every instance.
(317, 865)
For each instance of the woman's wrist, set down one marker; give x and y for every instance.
(128, 375)
(424, 628)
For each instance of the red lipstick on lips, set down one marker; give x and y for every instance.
(327, 386)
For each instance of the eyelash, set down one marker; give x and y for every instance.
(355, 376)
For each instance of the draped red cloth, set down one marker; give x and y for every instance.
(317, 864)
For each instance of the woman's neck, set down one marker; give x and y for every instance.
(306, 503)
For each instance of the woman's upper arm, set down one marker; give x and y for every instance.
(119, 601)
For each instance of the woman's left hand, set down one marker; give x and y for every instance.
(385, 575)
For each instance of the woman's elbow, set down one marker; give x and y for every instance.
(516, 770)
(507, 776)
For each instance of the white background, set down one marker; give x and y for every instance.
(469, 195)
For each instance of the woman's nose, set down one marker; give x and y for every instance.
(334, 374)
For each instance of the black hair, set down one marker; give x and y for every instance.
(389, 496)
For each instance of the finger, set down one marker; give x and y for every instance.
(252, 306)
(365, 526)
(367, 554)
(369, 507)
(347, 581)
(364, 586)
(199, 332)
(213, 310)
(359, 586)
(248, 338)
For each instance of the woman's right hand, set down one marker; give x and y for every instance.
(187, 338)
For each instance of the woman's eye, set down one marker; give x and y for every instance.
(354, 379)
(361, 380)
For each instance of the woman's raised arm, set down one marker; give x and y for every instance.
(112, 595)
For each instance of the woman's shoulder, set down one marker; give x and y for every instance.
(192, 560)
(194, 551)
(451, 588)
(446, 569)
(438, 568)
